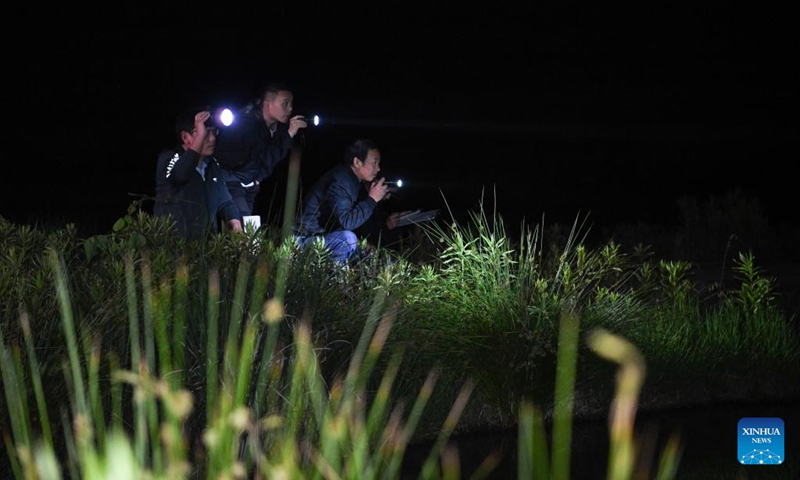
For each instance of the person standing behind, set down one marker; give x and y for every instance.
(250, 148)
(189, 182)
(335, 205)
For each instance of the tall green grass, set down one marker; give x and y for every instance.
(248, 357)
(288, 423)
(306, 430)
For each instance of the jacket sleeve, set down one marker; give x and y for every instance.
(177, 167)
(246, 146)
(226, 207)
(228, 210)
(350, 212)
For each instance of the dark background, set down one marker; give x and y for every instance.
(543, 110)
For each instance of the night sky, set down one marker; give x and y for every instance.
(541, 109)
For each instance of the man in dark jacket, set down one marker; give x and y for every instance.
(335, 205)
(259, 139)
(189, 183)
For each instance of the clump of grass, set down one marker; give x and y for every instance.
(746, 319)
(491, 304)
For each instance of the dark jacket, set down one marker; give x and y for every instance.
(335, 202)
(196, 204)
(248, 152)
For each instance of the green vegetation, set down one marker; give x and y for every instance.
(139, 355)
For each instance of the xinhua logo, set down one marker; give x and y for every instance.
(761, 441)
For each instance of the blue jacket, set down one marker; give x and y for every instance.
(248, 152)
(196, 201)
(335, 202)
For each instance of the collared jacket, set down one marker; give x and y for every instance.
(336, 202)
(248, 152)
(196, 201)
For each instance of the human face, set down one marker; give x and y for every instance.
(367, 170)
(209, 142)
(278, 108)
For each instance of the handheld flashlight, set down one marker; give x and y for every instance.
(398, 183)
(313, 120)
(225, 117)
(221, 117)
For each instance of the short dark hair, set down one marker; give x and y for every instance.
(359, 149)
(184, 122)
(271, 88)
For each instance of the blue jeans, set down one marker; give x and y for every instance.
(341, 243)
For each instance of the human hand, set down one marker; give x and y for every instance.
(393, 219)
(295, 124)
(235, 225)
(200, 123)
(378, 189)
